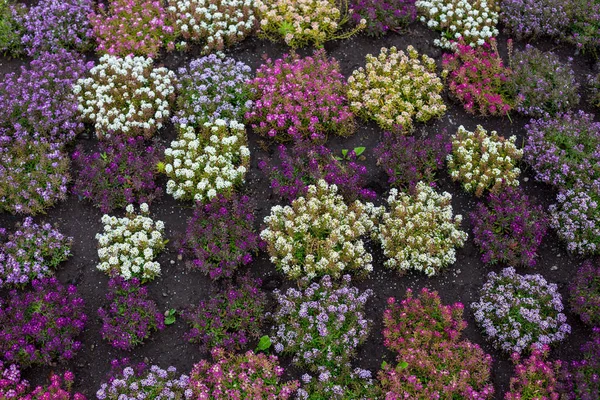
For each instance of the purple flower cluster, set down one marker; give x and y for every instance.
(300, 98)
(408, 160)
(13, 387)
(40, 326)
(10, 30)
(383, 15)
(584, 29)
(534, 376)
(581, 378)
(304, 163)
(339, 384)
(131, 315)
(121, 172)
(32, 251)
(518, 311)
(509, 229)
(230, 318)
(585, 293)
(534, 18)
(211, 88)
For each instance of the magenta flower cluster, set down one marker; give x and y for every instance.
(534, 376)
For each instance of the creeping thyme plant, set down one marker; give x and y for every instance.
(534, 376)
(319, 234)
(303, 23)
(10, 30)
(530, 19)
(127, 95)
(395, 89)
(585, 293)
(207, 161)
(483, 161)
(419, 231)
(129, 245)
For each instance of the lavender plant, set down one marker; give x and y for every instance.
(530, 19)
(383, 15)
(585, 293)
(518, 311)
(11, 13)
(580, 379)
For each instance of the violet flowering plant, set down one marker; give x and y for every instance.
(585, 293)
(220, 236)
(593, 83)
(580, 379)
(41, 326)
(534, 376)
(339, 384)
(297, 98)
(320, 324)
(240, 376)
(32, 251)
(383, 15)
(584, 26)
(13, 387)
(123, 171)
(11, 13)
(130, 316)
(517, 311)
(230, 318)
(531, 19)
(509, 229)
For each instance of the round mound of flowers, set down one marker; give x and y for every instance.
(128, 96)
(544, 83)
(40, 326)
(304, 23)
(517, 311)
(534, 376)
(483, 161)
(319, 234)
(209, 161)
(298, 98)
(130, 316)
(419, 230)
(535, 18)
(214, 24)
(321, 324)
(32, 251)
(395, 89)
(240, 376)
(34, 177)
(383, 15)
(210, 88)
(473, 21)
(564, 151)
(128, 245)
(13, 387)
(585, 293)
(509, 229)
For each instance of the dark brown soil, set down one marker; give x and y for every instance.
(177, 287)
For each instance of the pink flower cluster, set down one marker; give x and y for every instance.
(13, 387)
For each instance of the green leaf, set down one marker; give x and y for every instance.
(264, 343)
(383, 364)
(170, 316)
(285, 27)
(359, 150)
(338, 158)
(403, 364)
(344, 153)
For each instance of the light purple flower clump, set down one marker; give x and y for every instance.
(534, 18)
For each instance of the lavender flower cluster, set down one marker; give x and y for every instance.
(339, 384)
(534, 18)
(10, 30)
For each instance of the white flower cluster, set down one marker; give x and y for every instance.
(474, 21)
(481, 161)
(396, 87)
(419, 231)
(200, 165)
(126, 96)
(319, 234)
(215, 23)
(128, 245)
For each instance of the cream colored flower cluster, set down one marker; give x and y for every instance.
(202, 164)
(419, 231)
(216, 24)
(129, 245)
(319, 234)
(396, 88)
(473, 21)
(481, 161)
(126, 96)
(303, 23)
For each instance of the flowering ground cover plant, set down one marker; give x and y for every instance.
(147, 29)
(10, 30)
(534, 18)
(206, 162)
(579, 379)
(593, 83)
(229, 319)
(564, 151)
(585, 293)
(220, 236)
(584, 27)
(479, 79)
(40, 326)
(518, 311)
(128, 96)
(215, 24)
(322, 324)
(534, 376)
(240, 376)
(509, 229)
(298, 98)
(130, 316)
(543, 82)
(472, 21)
(13, 387)
(383, 15)
(419, 231)
(395, 89)
(210, 88)
(339, 384)
(128, 245)
(304, 22)
(304, 163)
(483, 161)
(32, 251)
(319, 234)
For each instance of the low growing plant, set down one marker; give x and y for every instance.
(339, 384)
(13, 387)
(11, 13)
(585, 293)
(584, 26)
(383, 15)
(579, 379)
(593, 82)
(531, 19)
(534, 377)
